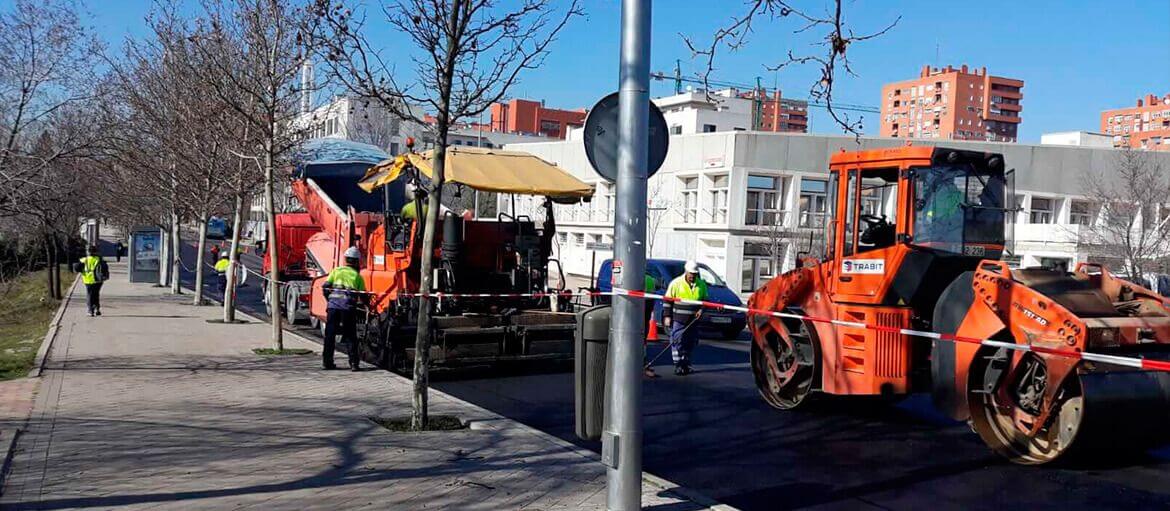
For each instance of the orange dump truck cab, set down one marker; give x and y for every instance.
(914, 243)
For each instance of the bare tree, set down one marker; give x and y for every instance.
(254, 51)
(371, 124)
(47, 59)
(831, 33)
(658, 207)
(470, 53)
(1134, 221)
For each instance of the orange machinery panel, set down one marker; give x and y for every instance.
(865, 361)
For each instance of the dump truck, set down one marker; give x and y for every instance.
(913, 294)
(354, 196)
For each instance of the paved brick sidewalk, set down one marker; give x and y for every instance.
(151, 407)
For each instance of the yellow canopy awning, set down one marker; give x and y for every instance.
(489, 170)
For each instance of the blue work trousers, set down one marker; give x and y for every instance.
(684, 336)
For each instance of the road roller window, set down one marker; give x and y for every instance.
(959, 208)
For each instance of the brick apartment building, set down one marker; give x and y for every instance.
(1145, 126)
(950, 103)
(522, 116)
(776, 114)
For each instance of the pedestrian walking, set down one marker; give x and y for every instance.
(683, 318)
(94, 271)
(344, 289)
(119, 248)
(222, 266)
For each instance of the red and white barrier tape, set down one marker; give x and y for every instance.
(507, 295)
(1139, 363)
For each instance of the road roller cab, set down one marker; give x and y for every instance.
(914, 243)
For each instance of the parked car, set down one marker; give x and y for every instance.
(728, 324)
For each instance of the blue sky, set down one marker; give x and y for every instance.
(1076, 57)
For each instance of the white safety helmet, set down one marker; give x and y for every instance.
(692, 267)
(353, 253)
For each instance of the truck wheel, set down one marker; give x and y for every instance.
(291, 305)
(790, 383)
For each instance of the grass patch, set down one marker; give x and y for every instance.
(281, 353)
(25, 313)
(434, 423)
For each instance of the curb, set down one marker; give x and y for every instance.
(51, 334)
(492, 422)
(8, 443)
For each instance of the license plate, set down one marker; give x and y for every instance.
(723, 320)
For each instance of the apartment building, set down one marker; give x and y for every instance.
(1145, 126)
(748, 203)
(527, 117)
(954, 104)
(732, 110)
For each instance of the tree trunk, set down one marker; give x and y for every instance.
(50, 286)
(176, 255)
(229, 299)
(199, 251)
(422, 340)
(273, 263)
(58, 249)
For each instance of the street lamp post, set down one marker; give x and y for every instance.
(622, 437)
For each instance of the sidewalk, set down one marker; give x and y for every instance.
(151, 407)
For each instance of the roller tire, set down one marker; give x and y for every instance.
(796, 391)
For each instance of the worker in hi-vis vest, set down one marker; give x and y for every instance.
(683, 318)
(344, 289)
(94, 271)
(221, 271)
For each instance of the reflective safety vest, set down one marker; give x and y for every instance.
(410, 212)
(89, 269)
(339, 283)
(681, 289)
(222, 265)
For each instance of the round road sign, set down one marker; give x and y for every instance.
(601, 138)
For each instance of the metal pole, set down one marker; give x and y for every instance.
(621, 449)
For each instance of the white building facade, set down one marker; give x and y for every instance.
(748, 203)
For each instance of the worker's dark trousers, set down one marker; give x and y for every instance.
(93, 299)
(682, 341)
(344, 319)
(221, 280)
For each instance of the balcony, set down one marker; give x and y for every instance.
(1046, 234)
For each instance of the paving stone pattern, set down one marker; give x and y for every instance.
(151, 407)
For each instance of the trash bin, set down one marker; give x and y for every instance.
(591, 346)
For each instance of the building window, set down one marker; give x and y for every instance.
(1041, 211)
(579, 239)
(718, 196)
(1080, 213)
(760, 264)
(690, 199)
(676, 130)
(708, 128)
(562, 238)
(606, 203)
(763, 198)
(812, 202)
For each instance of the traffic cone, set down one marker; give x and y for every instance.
(652, 331)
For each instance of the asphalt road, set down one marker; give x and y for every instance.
(711, 432)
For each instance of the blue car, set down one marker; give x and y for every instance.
(728, 324)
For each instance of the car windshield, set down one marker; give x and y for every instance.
(960, 208)
(674, 269)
